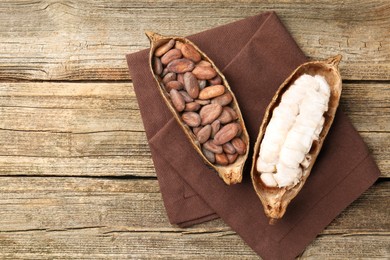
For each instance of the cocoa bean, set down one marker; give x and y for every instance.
(210, 156)
(223, 100)
(164, 72)
(226, 133)
(203, 63)
(177, 100)
(180, 78)
(211, 146)
(160, 51)
(239, 132)
(215, 126)
(232, 112)
(204, 134)
(157, 66)
(204, 72)
(221, 159)
(232, 157)
(217, 80)
(178, 45)
(173, 85)
(212, 92)
(239, 145)
(228, 148)
(186, 97)
(195, 130)
(192, 106)
(171, 55)
(169, 77)
(181, 65)
(209, 113)
(191, 84)
(202, 102)
(190, 52)
(225, 117)
(202, 83)
(192, 119)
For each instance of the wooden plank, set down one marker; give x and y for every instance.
(91, 107)
(83, 40)
(100, 218)
(95, 129)
(378, 144)
(95, 243)
(367, 105)
(107, 154)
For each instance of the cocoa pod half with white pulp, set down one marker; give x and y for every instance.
(293, 130)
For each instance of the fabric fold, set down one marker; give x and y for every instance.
(256, 55)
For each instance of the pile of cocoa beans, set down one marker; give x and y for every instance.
(198, 94)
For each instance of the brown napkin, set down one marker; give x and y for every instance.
(256, 55)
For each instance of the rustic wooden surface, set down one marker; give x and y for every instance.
(76, 176)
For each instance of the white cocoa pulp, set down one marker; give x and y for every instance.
(295, 123)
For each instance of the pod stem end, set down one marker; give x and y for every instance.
(153, 37)
(334, 60)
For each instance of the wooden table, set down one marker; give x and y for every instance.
(77, 179)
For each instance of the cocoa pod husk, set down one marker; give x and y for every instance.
(275, 200)
(230, 173)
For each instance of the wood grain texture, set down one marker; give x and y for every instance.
(114, 218)
(95, 129)
(84, 40)
(76, 175)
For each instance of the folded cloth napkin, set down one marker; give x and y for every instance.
(256, 55)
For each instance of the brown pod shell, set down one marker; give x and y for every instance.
(232, 173)
(275, 200)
